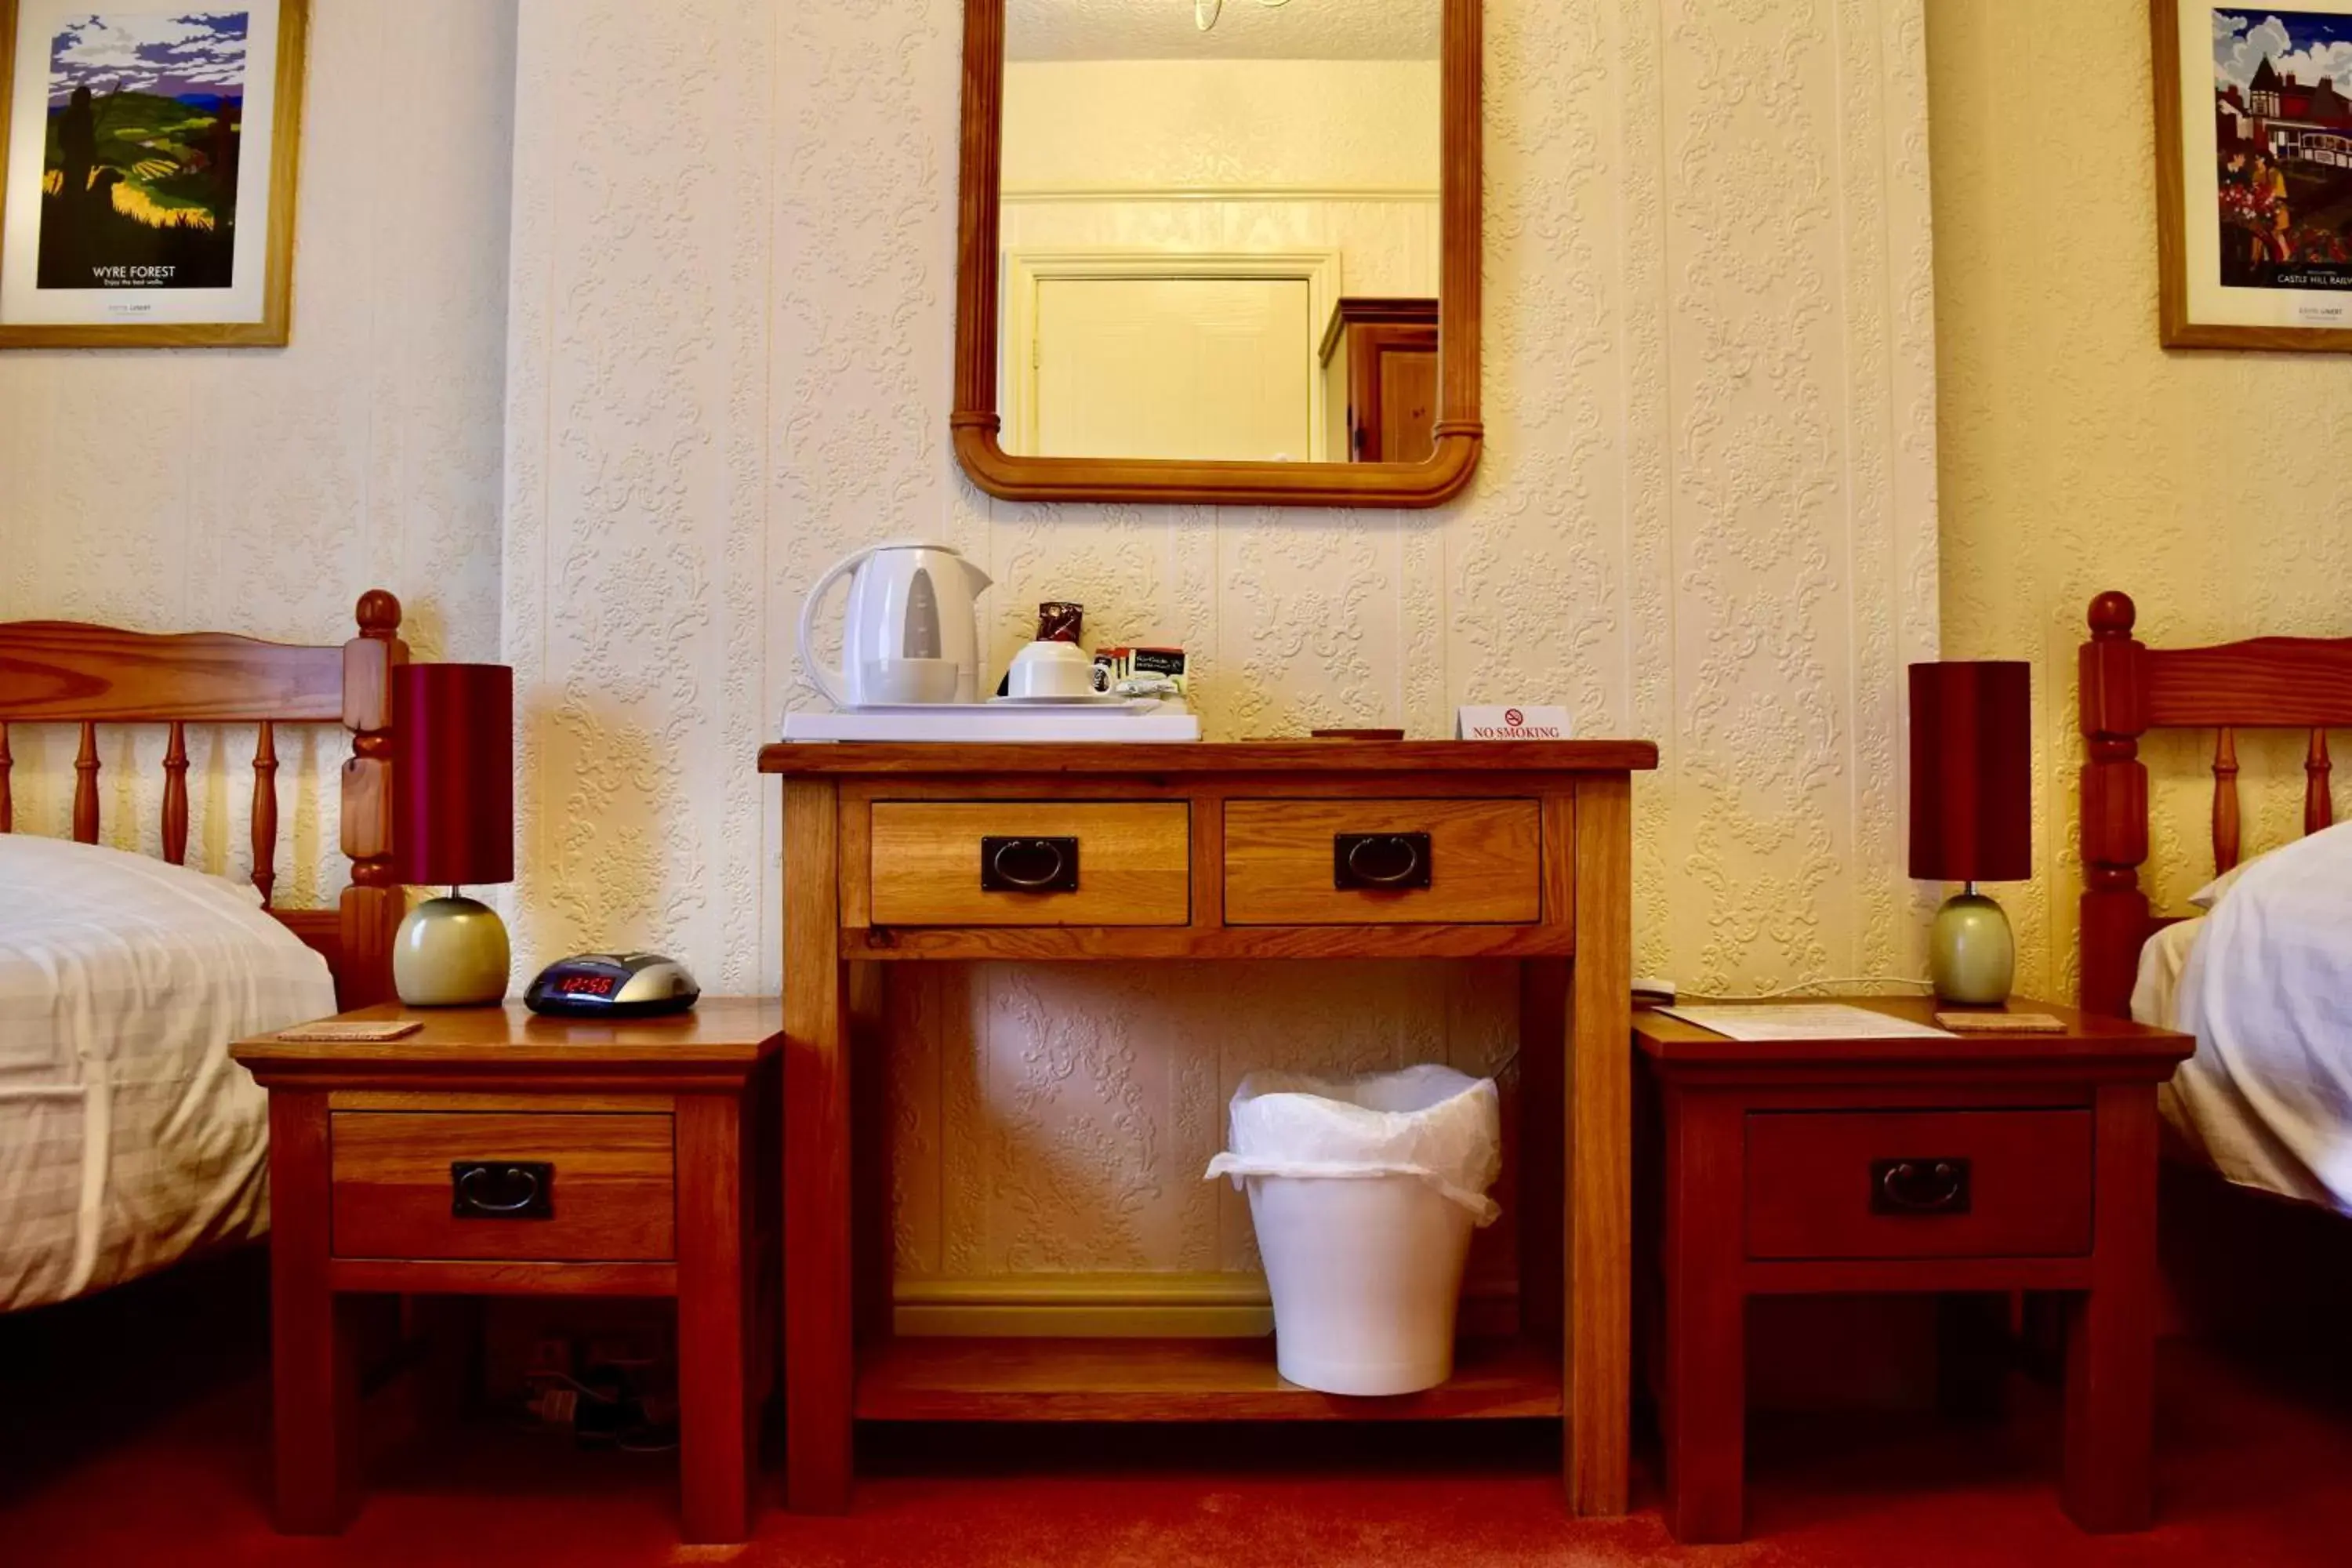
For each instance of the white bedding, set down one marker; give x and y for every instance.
(2156, 995)
(2264, 981)
(128, 1138)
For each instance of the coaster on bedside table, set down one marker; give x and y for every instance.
(333, 1031)
(2001, 1023)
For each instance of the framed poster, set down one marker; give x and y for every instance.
(147, 165)
(2253, 159)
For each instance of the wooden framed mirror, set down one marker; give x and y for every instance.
(1234, 259)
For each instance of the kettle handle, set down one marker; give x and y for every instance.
(815, 673)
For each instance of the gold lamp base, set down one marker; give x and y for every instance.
(1971, 957)
(451, 953)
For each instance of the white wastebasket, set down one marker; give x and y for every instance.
(1364, 1193)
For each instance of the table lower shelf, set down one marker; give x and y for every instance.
(924, 1379)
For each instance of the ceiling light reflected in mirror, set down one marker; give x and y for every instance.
(1206, 12)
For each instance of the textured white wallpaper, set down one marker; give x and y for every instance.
(1386, 246)
(1706, 515)
(1231, 125)
(2082, 457)
(261, 490)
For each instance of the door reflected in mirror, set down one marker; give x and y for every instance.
(1219, 230)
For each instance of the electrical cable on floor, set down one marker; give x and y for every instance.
(554, 1408)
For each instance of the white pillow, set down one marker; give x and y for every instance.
(242, 887)
(2212, 892)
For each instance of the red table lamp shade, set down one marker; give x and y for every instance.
(452, 773)
(1972, 771)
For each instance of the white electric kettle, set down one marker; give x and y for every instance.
(910, 633)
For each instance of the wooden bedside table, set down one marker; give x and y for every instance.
(497, 1153)
(1989, 1162)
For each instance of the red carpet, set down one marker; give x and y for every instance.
(2256, 1469)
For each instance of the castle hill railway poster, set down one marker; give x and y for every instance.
(2254, 157)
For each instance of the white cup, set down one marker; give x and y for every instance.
(1051, 669)
(908, 680)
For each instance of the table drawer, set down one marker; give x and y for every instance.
(1918, 1184)
(1374, 862)
(590, 1188)
(1031, 863)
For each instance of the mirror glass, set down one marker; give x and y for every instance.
(1219, 229)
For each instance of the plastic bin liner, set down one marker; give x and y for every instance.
(1441, 1126)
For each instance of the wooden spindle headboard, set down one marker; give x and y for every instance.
(65, 672)
(2128, 688)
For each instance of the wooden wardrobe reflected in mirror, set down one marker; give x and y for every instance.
(1237, 265)
(1380, 381)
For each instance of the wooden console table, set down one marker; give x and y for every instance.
(901, 853)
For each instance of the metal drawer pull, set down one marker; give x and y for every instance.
(501, 1189)
(1380, 860)
(1029, 864)
(1919, 1186)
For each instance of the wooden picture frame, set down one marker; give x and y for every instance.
(974, 422)
(251, 314)
(2212, 294)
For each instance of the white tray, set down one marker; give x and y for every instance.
(1139, 721)
(1091, 699)
(1099, 703)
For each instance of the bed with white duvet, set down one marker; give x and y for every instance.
(128, 1138)
(2264, 980)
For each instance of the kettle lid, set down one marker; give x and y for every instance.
(916, 544)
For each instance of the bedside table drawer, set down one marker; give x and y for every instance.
(1918, 1184)
(1383, 862)
(1031, 863)
(592, 1188)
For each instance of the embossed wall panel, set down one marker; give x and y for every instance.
(639, 482)
(1707, 514)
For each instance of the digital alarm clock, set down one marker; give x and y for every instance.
(613, 984)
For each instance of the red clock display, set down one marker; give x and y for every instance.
(588, 985)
